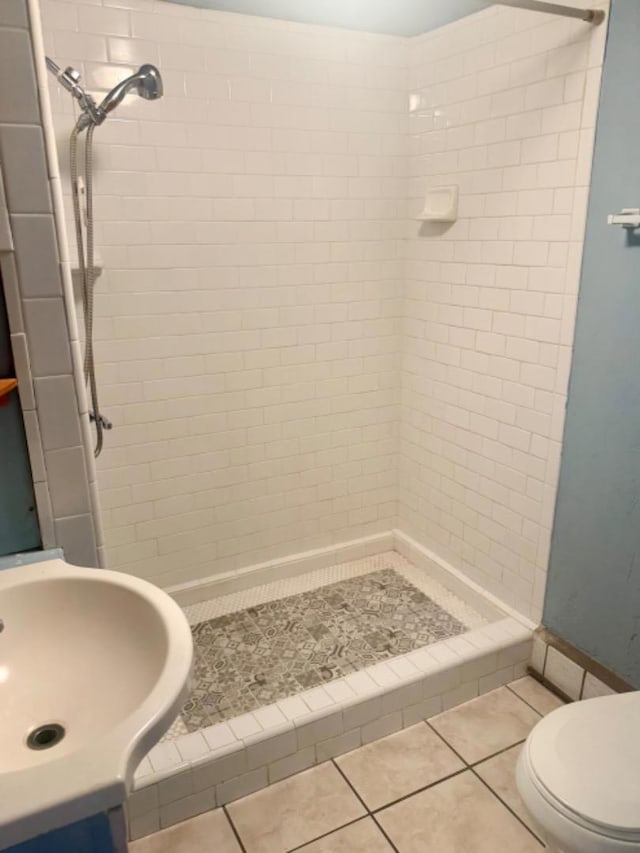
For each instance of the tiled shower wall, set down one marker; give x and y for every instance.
(263, 308)
(503, 104)
(251, 227)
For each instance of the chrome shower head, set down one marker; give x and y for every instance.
(147, 82)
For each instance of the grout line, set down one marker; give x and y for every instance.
(496, 754)
(544, 659)
(384, 832)
(551, 687)
(582, 683)
(373, 813)
(473, 764)
(366, 807)
(528, 704)
(506, 805)
(419, 791)
(446, 743)
(327, 834)
(348, 781)
(233, 828)
(467, 767)
(472, 769)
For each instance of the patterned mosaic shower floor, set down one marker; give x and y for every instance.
(276, 648)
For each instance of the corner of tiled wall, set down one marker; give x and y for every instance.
(52, 407)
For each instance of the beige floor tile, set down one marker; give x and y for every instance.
(400, 764)
(295, 811)
(499, 773)
(486, 725)
(543, 700)
(361, 837)
(459, 815)
(202, 834)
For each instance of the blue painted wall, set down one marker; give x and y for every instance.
(398, 17)
(593, 589)
(92, 835)
(19, 529)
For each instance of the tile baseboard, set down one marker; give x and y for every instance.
(570, 672)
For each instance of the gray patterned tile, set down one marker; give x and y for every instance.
(256, 656)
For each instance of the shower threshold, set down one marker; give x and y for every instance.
(291, 673)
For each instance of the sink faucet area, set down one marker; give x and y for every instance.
(94, 667)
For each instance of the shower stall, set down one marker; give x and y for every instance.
(337, 418)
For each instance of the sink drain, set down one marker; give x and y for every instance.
(44, 737)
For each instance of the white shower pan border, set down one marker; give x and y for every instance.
(200, 771)
(228, 583)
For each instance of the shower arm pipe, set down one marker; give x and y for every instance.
(593, 16)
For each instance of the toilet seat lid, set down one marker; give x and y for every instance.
(587, 757)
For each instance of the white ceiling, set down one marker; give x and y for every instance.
(397, 17)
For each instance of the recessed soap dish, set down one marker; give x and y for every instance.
(440, 205)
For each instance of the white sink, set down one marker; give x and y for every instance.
(103, 655)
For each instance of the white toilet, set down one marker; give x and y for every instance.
(579, 775)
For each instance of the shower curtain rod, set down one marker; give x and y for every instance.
(594, 16)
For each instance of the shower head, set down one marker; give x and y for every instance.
(147, 82)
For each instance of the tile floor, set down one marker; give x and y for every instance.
(258, 645)
(445, 785)
(256, 656)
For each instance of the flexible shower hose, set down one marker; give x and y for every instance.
(86, 265)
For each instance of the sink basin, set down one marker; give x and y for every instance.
(94, 667)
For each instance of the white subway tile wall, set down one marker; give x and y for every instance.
(503, 104)
(251, 226)
(288, 359)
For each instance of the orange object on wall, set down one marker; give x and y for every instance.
(6, 385)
